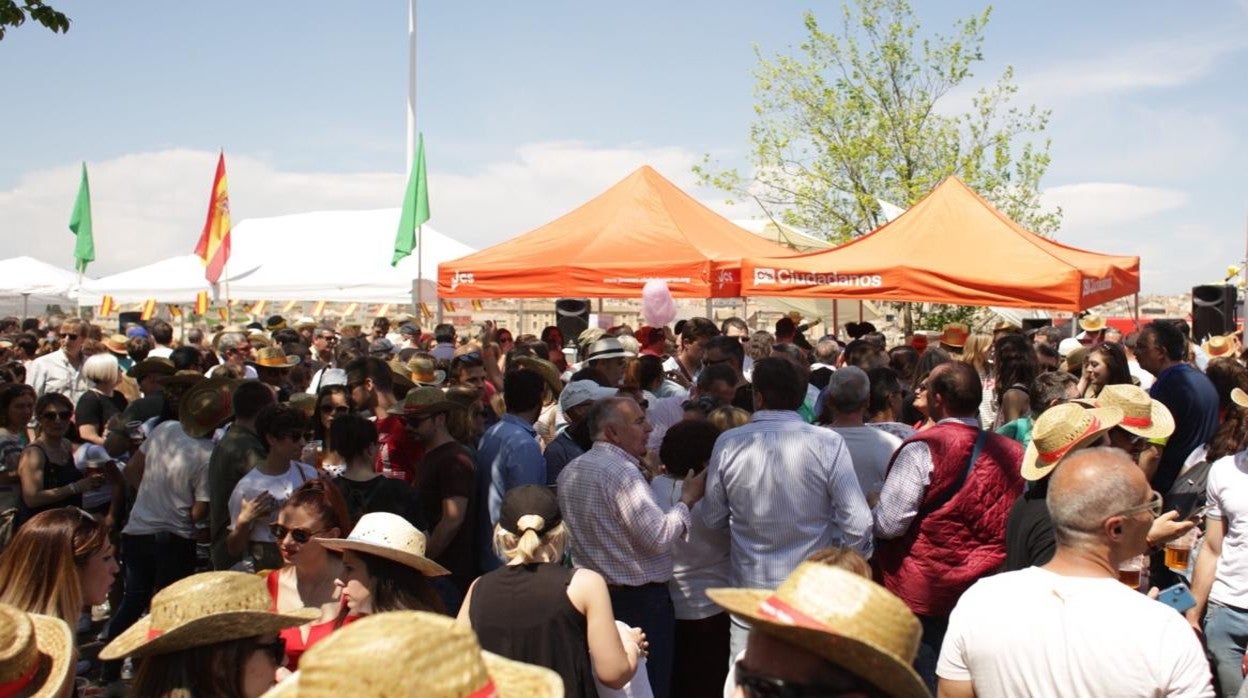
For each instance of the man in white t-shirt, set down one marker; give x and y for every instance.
(1220, 582)
(849, 393)
(1070, 628)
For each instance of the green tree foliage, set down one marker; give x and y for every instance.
(14, 13)
(855, 117)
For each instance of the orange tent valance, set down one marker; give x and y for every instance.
(950, 247)
(642, 228)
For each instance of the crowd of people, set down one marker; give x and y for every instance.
(302, 508)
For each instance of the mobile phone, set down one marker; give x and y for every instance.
(1178, 597)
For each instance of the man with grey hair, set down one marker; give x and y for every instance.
(234, 349)
(1070, 628)
(618, 529)
(845, 412)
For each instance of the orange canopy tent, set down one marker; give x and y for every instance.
(950, 247)
(642, 228)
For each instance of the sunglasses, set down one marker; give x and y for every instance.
(756, 685)
(300, 535)
(56, 415)
(71, 336)
(275, 649)
(335, 409)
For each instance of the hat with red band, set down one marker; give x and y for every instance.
(1141, 415)
(36, 654)
(1062, 430)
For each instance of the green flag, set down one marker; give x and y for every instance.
(80, 225)
(415, 205)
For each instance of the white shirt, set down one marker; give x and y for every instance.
(160, 352)
(784, 489)
(1145, 378)
(1227, 486)
(871, 450)
(53, 373)
(1036, 633)
(279, 486)
(662, 413)
(906, 485)
(175, 476)
(699, 563)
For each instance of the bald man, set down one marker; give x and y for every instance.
(1070, 628)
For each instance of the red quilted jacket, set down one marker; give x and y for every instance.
(946, 550)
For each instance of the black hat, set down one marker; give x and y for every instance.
(526, 500)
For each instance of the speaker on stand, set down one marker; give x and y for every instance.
(572, 318)
(1214, 310)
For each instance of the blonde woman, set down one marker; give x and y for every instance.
(978, 353)
(566, 622)
(60, 562)
(101, 401)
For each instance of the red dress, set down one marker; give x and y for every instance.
(295, 644)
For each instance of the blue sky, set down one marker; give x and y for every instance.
(530, 108)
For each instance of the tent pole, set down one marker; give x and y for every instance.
(859, 311)
(1137, 310)
(709, 314)
(836, 318)
(520, 319)
(1074, 323)
(420, 275)
(1244, 316)
(745, 308)
(25, 306)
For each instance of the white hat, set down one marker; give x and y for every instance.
(580, 392)
(607, 348)
(1068, 345)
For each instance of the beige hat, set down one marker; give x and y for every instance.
(36, 654)
(206, 405)
(424, 654)
(1239, 397)
(1141, 415)
(955, 334)
(550, 373)
(848, 620)
(117, 344)
(1060, 431)
(1218, 346)
(423, 368)
(390, 536)
(203, 609)
(1092, 323)
(274, 357)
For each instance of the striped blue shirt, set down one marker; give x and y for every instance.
(784, 489)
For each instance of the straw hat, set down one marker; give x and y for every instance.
(1060, 431)
(206, 406)
(848, 620)
(116, 344)
(424, 371)
(434, 656)
(607, 348)
(151, 365)
(1218, 346)
(1142, 415)
(36, 654)
(955, 334)
(549, 372)
(274, 357)
(305, 323)
(390, 536)
(422, 401)
(203, 609)
(1239, 397)
(1091, 323)
(400, 375)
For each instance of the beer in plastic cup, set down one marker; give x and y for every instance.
(1179, 551)
(1129, 571)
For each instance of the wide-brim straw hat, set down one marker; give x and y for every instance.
(206, 405)
(274, 357)
(1092, 323)
(400, 375)
(1218, 346)
(305, 322)
(36, 653)
(390, 536)
(1239, 397)
(205, 609)
(424, 372)
(847, 619)
(1062, 430)
(1141, 415)
(116, 344)
(549, 372)
(424, 654)
(955, 334)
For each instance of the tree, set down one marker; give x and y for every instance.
(13, 14)
(854, 119)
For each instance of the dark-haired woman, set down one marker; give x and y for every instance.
(1106, 364)
(49, 477)
(384, 567)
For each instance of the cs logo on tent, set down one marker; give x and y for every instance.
(763, 277)
(462, 277)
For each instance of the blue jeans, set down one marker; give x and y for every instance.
(152, 562)
(1226, 634)
(650, 608)
(934, 628)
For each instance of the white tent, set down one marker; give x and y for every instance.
(337, 256)
(26, 281)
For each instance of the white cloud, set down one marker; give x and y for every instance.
(1101, 205)
(149, 206)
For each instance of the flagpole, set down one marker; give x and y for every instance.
(411, 139)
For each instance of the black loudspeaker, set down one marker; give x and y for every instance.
(1035, 323)
(571, 317)
(128, 318)
(1214, 311)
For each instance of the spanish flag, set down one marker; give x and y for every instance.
(201, 303)
(349, 310)
(107, 306)
(425, 312)
(258, 308)
(448, 306)
(148, 310)
(477, 305)
(175, 311)
(224, 314)
(382, 310)
(318, 309)
(214, 243)
(286, 308)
